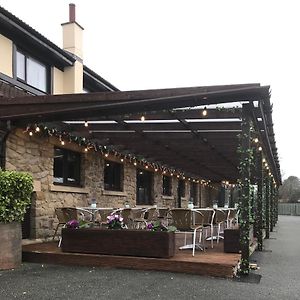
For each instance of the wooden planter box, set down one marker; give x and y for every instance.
(119, 242)
(232, 240)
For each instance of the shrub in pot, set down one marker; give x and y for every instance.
(15, 196)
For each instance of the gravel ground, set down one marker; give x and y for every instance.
(279, 268)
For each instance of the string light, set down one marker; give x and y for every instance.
(87, 145)
(259, 148)
(204, 112)
(86, 124)
(143, 118)
(256, 140)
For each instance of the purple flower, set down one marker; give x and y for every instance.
(72, 224)
(150, 226)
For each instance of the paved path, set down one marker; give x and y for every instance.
(280, 270)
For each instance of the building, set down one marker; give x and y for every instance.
(82, 146)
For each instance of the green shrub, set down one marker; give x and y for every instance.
(15, 195)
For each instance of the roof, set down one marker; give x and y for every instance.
(26, 36)
(16, 29)
(175, 132)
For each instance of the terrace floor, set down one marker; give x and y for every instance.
(212, 262)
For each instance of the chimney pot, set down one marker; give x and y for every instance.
(72, 17)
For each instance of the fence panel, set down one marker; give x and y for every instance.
(291, 209)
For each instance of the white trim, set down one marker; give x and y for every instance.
(114, 193)
(68, 189)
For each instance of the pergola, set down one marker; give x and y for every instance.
(216, 133)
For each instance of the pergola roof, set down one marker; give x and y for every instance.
(175, 131)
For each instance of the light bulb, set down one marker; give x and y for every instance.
(37, 129)
(62, 143)
(142, 118)
(30, 133)
(86, 124)
(204, 112)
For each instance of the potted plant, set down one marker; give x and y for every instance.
(15, 196)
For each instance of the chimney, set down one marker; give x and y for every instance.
(72, 42)
(72, 33)
(72, 16)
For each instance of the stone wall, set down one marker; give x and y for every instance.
(35, 155)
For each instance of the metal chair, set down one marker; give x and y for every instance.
(137, 218)
(187, 221)
(208, 223)
(64, 215)
(126, 213)
(220, 220)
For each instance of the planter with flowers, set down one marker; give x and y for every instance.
(15, 196)
(156, 241)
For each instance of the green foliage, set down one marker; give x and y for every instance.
(290, 190)
(15, 195)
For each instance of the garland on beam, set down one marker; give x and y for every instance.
(108, 150)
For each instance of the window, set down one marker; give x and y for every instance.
(167, 185)
(113, 176)
(144, 187)
(66, 167)
(181, 188)
(31, 71)
(193, 193)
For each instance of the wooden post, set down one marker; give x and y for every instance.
(259, 201)
(267, 199)
(244, 205)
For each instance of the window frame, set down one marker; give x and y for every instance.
(35, 59)
(65, 166)
(116, 175)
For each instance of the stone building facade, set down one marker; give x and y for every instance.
(35, 154)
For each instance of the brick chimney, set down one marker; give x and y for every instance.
(72, 42)
(72, 33)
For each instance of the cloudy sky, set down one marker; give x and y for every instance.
(139, 44)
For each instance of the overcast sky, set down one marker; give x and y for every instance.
(137, 44)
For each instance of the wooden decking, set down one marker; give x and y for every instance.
(212, 262)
